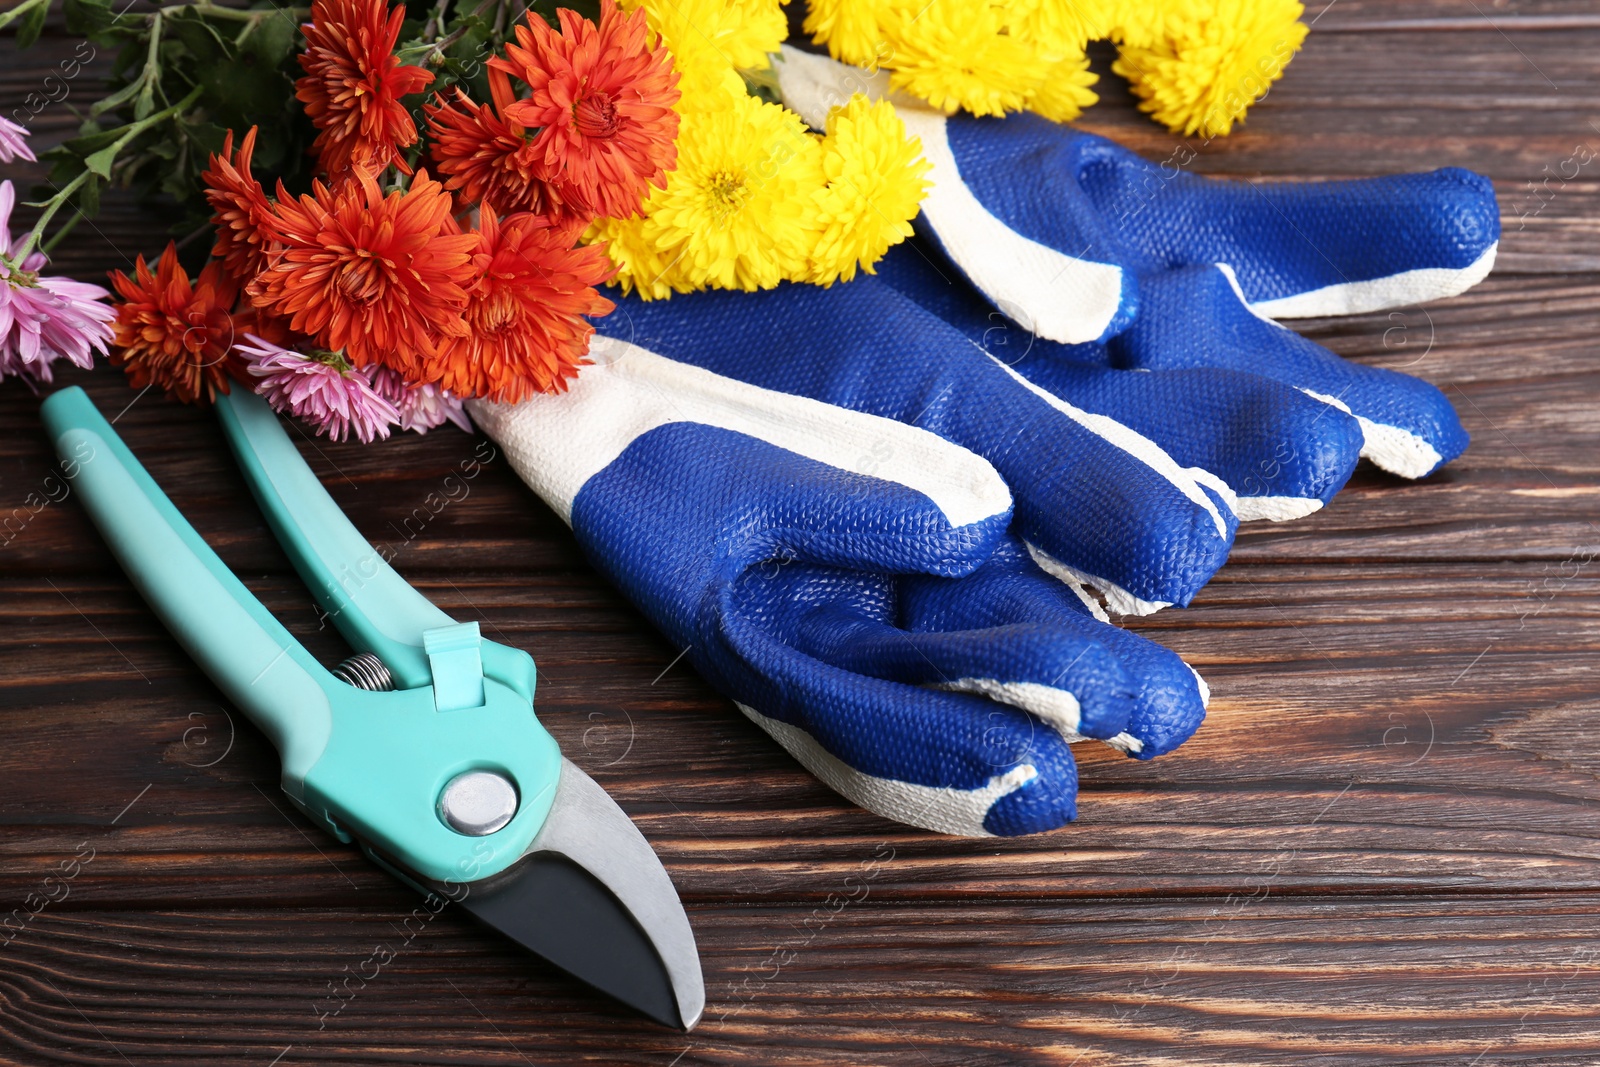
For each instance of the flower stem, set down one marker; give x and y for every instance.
(430, 32)
(205, 7)
(55, 238)
(62, 196)
(51, 206)
(436, 53)
(17, 12)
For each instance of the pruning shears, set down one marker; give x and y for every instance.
(422, 747)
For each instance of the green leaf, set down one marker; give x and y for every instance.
(473, 45)
(272, 149)
(100, 162)
(32, 25)
(206, 137)
(88, 18)
(93, 142)
(175, 183)
(411, 52)
(191, 29)
(64, 168)
(89, 197)
(146, 104)
(274, 38)
(241, 90)
(118, 98)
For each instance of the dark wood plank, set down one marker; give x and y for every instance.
(1414, 981)
(1379, 849)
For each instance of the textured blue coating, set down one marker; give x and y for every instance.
(833, 601)
(1222, 411)
(864, 346)
(1093, 199)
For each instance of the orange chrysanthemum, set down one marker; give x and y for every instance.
(602, 101)
(258, 322)
(487, 159)
(173, 334)
(240, 205)
(353, 85)
(527, 332)
(381, 278)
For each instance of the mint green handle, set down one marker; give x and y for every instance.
(247, 652)
(368, 764)
(374, 608)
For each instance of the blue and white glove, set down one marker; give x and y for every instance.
(1282, 452)
(1081, 241)
(848, 580)
(1100, 499)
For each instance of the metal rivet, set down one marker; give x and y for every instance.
(477, 803)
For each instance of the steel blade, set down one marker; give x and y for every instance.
(591, 896)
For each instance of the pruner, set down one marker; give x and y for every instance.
(422, 747)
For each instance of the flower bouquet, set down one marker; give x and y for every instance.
(408, 206)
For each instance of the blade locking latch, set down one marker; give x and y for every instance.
(456, 657)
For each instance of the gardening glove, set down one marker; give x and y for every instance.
(1078, 240)
(1099, 502)
(1283, 453)
(849, 582)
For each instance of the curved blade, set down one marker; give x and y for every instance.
(591, 897)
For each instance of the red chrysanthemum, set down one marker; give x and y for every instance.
(602, 101)
(354, 84)
(525, 316)
(381, 278)
(487, 159)
(240, 205)
(173, 334)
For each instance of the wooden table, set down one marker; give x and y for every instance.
(1382, 847)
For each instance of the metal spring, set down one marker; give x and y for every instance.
(365, 671)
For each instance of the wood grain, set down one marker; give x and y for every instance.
(1381, 848)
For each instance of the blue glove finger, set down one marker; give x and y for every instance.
(1168, 700)
(1053, 665)
(1282, 453)
(1056, 223)
(1099, 499)
(709, 533)
(837, 689)
(1300, 249)
(1304, 249)
(1195, 318)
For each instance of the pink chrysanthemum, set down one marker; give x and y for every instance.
(323, 390)
(44, 319)
(421, 407)
(12, 142)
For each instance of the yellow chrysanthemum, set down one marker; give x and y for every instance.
(874, 186)
(954, 55)
(1218, 58)
(639, 262)
(1061, 26)
(1064, 91)
(712, 40)
(1139, 23)
(853, 30)
(735, 213)
(758, 29)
